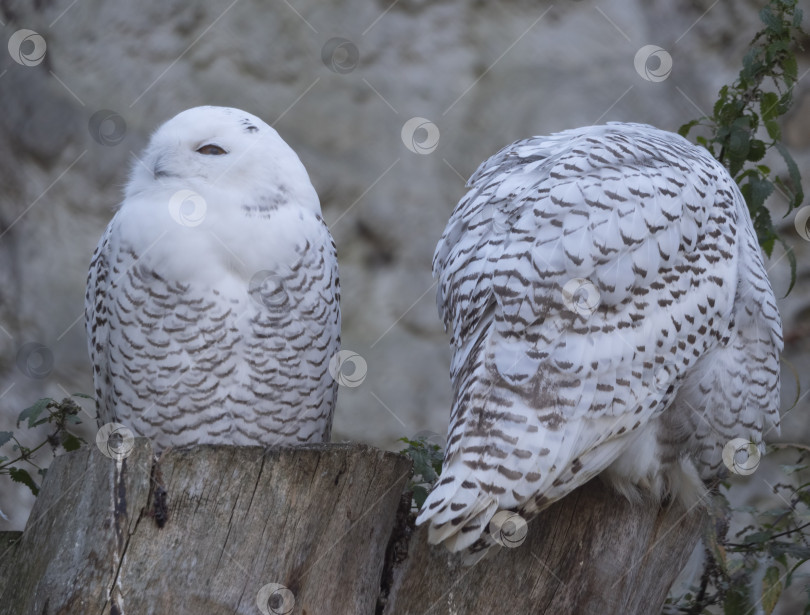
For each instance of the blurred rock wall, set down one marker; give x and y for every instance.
(342, 83)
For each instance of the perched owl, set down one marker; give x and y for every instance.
(610, 314)
(212, 304)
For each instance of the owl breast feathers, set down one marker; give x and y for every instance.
(212, 304)
(610, 314)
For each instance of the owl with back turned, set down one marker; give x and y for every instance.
(610, 314)
(212, 304)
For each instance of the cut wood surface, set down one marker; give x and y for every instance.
(313, 529)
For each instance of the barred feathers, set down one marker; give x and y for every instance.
(212, 304)
(609, 314)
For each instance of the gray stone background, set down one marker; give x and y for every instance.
(484, 73)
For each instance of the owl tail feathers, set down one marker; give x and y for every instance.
(458, 513)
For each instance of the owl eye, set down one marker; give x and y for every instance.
(209, 149)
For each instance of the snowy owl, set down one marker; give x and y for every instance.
(212, 304)
(609, 314)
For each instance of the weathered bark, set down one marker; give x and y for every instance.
(9, 541)
(326, 522)
(591, 553)
(315, 519)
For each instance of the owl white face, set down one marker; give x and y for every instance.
(221, 150)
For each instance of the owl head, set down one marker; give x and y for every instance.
(217, 152)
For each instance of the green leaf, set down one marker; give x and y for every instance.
(763, 226)
(739, 142)
(761, 189)
(771, 589)
(774, 129)
(758, 537)
(423, 467)
(419, 495)
(768, 105)
(684, 130)
(32, 412)
(730, 114)
(426, 456)
(5, 436)
(770, 20)
(83, 396)
(19, 475)
(767, 243)
(794, 550)
(790, 68)
(71, 442)
(749, 67)
(793, 172)
(791, 469)
(737, 601)
(721, 98)
(756, 150)
(785, 102)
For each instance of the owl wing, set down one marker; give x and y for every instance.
(581, 277)
(97, 323)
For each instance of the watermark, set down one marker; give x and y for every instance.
(115, 441)
(741, 456)
(340, 55)
(581, 296)
(107, 127)
(35, 360)
(653, 63)
(495, 219)
(802, 222)
(268, 290)
(659, 376)
(421, 136)
(27, 47)
(275, 599)
(348, 368)
(431, 437)
(187, 208)
(508, 529)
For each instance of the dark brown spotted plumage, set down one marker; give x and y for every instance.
(610, 314)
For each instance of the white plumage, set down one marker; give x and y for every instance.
(212, 304)
(609, 313)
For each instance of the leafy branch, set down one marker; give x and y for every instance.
(747, 105)
(427, 460)
(752, 570)
(754, 567)
(60, 415)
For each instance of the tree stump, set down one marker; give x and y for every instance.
(592, 552)
(310, 530)
(314, 520)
